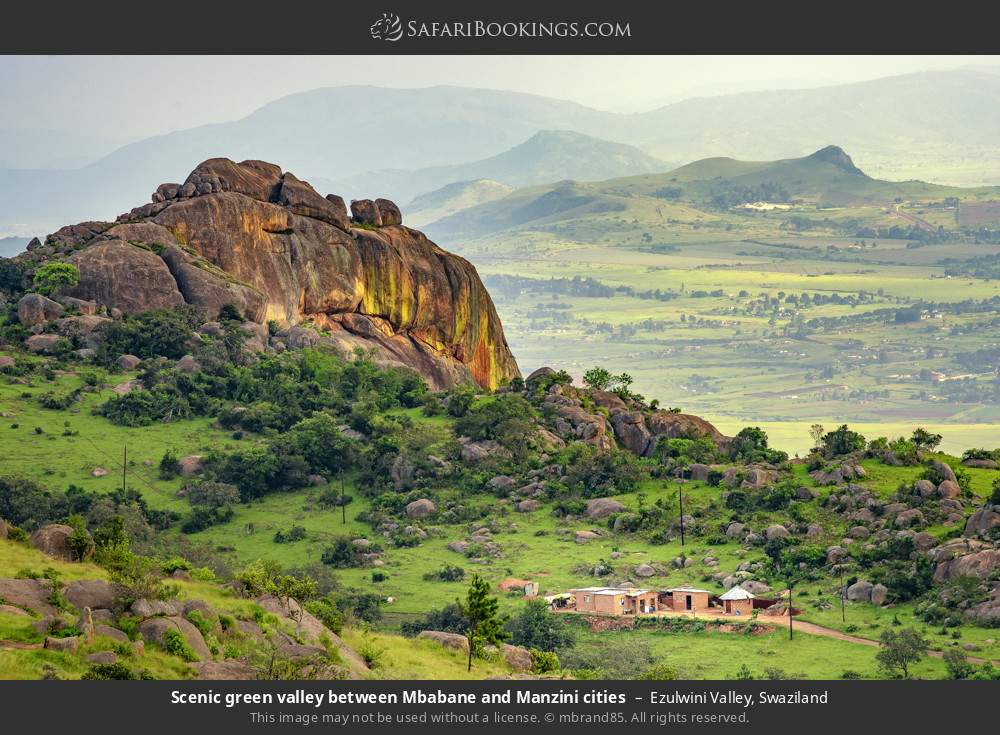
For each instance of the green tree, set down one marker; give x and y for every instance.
(53, 277)
(958, 664)
(842, 441)
(898, 650)
(482, 611)
(536, 627)
(924, 439)
(323, 445)
(597, 378)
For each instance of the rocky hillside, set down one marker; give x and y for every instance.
(251, 237)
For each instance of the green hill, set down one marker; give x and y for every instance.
(827, 178)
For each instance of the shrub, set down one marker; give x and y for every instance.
(535, 627)
(174, 644)
(145, 407)
(293, 534)
(109, 672)
(170, 465)
(154, 333)
(53, 277)
(543, 662)
(447, 573)
(342, 554)
(957, 664)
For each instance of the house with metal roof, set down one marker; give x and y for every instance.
(737, 601)
(615, 600)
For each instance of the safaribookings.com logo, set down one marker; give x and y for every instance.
(390, 28)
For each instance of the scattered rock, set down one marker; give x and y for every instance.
(517, 657)
(983, 521)
(128, 362)
(92, 593)
(47, 343)
(598, 508)
(228, 670)
(53, 539)
(860, 591)
(879, 594)
(153, 630)
(66, 645)
(448, 640)
(776, 530)
(911, 517)
(420, 508)
(34, 309)
(101, 657)
(191, 465)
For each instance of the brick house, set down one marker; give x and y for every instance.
(687, 599)
(737, 601)
(615, 600)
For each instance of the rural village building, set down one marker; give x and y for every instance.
(616, 601)
(737, 601)
(687, 599)
(631, 601)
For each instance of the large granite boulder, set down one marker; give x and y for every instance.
(124, 276)
(34, 309)
(982, 565)
(598, 508)
(92, 593)
(53, 539)
(453, 641)
(631, 432)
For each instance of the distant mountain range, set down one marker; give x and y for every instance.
(933, 125)
(826, 178)
(549, 155)
(452, 198)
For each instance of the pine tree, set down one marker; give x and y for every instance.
(481, 611)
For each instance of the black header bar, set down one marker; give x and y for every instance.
(511, 27)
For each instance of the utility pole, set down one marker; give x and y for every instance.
(343, 499)
(790, 608)
(843, 594)
(124, 466)
(680, 502)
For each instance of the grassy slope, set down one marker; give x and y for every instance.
(536, 546)
(402, 658)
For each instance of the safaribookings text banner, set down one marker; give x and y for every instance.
(585, 706)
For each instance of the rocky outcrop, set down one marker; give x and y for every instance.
(251, 236)
(983, 521)
(982, 565)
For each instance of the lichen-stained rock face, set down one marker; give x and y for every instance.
(248, 235)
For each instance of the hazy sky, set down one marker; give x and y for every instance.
(126, 98)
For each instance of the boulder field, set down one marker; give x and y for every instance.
(250, 236)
